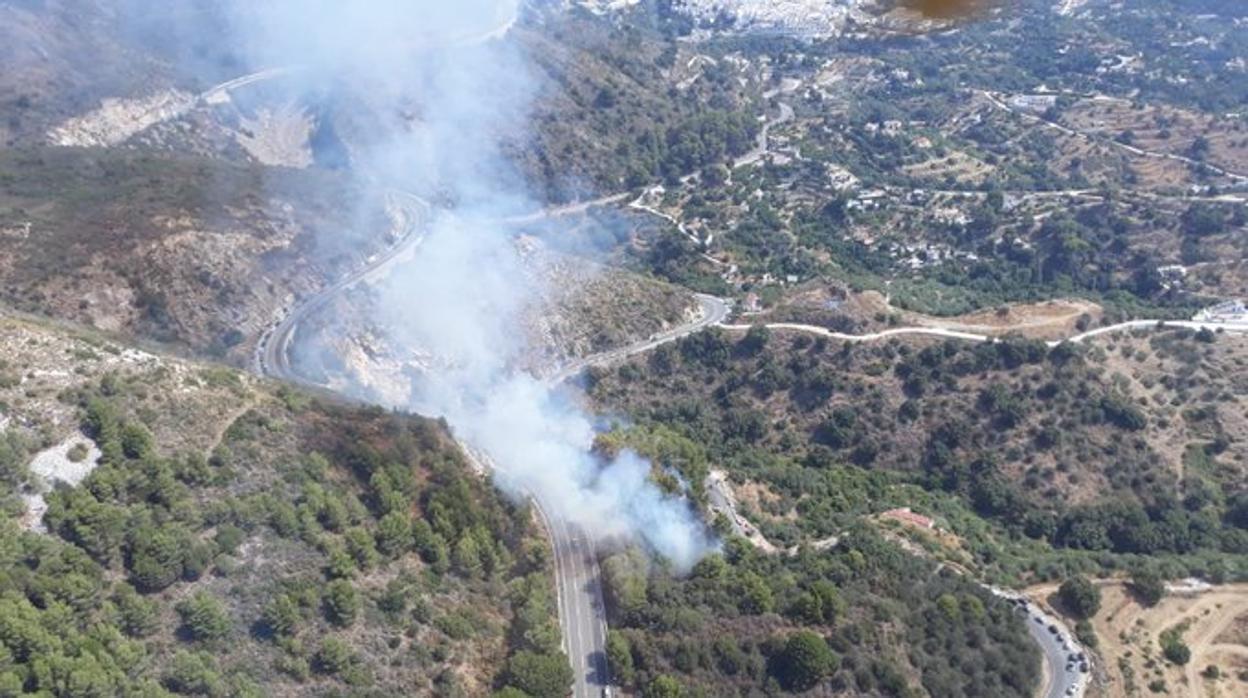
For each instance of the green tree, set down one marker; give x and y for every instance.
(1080, 596)
(663, 686)
(136, 441)
(1202, 219)
(196, 559)
(192, 673)
(1148, 587)
(83, 676)
(1122, 412)
(394, 533)
(1237, 511)
(156, 558)
(341, 564)
(21, 631)
(534, 612)
(756, 596)
(10, 684)
(431, 546)
(540, 675)
(281, 616)
(805, 661)
(361, 547)
(228, 538)
(755, 340)
(393, 601)
(1173, 648)
(138, 616)
(333, 657)
(729, 657)
(342, 604)
(626, 584)
(1086, 634)
(333, 513)
(821, 604)
(203, 617)
(102, 424)
(467, 556)
(620, 658)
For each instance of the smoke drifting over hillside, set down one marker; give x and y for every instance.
(461, 300)
(440, 93)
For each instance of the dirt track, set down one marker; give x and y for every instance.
(1131, 654)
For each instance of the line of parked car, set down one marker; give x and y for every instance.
(1077, 664)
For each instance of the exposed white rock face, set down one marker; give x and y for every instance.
(54, 466)
(278, 137)
(116, 120)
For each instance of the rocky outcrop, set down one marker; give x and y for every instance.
(116, 120)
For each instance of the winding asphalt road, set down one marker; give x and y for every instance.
(1062, 676)
(578, 578)
(582, 615)
(221, 93)
(711, 311)
(570, 209)
(762, 144)
(578, 587)
(272, 354)
(1232, 328)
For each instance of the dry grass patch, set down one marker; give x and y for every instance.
(1130, 649)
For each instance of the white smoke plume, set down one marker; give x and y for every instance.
(444, 93)
(461, 299)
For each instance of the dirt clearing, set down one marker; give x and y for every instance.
(1047, 320)
(67, 463)
(1130, 651)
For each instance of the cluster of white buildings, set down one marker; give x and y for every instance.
(810, 18)
(1036, 104)
(1228, 313)
(928, 254)
(814, 18)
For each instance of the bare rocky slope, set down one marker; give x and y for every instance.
(193, 252)
(155, 207)
(577, 309)
(60, 58)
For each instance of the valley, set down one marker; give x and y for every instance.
(623, 348)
